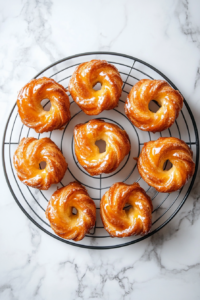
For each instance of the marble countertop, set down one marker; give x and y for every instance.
(37, 33)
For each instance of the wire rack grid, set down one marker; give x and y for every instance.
(33, 202)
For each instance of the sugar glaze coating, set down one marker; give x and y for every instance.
(137, 110)
(120, 222)
(30, 153)
(152, 158)
(59, 212)
(85, 78)
(31, 111)
(87, 153)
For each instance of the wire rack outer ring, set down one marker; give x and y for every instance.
(183, 200)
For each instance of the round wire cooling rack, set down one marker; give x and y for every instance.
(33, 202)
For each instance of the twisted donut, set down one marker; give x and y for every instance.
(87, 153)
(120, 222)
(137, 110)
(30, 153)
(152, 158)
(59, 212)
(31, 111)
(85, 78)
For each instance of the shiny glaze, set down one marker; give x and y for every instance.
(119, 222)
(152, 158)
(85, 78)
(59, 212)
(30, 153)
(88, 155)
(142, 93)
(31, 111)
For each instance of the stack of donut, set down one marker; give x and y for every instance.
(117, 220)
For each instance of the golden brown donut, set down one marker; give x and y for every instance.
(152, 158)
(30, 153)
(137, 110)
(87, 153)
(86, 76)
(120, 222)
(31, 111)
(59, 212)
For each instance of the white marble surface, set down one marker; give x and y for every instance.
(35, 34)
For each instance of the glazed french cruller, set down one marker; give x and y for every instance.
(31, 111)
(28, 156)
(59, 212)
(87, 152)
(137, 109)
(152, 159)
(86, 76)
(120, 222)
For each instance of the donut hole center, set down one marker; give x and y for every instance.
(154, 106)
(127, 207)
(42, 165)
(74, 211)
(46, 104)
(97, 86)
(167, 165)
(101, 144)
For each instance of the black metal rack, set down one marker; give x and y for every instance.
(30, 210)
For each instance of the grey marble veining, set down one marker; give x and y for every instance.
(35, 34)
